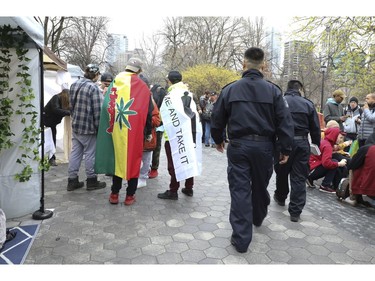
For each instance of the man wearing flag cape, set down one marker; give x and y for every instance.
(125, 122)
(183, 134)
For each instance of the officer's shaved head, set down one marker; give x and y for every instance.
(254, 58)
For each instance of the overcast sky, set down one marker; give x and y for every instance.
(135, 32)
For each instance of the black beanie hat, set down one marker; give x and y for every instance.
(174, 76)
(353, 99)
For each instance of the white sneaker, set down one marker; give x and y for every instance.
(141, 183)
(350, 201)
(369, 200)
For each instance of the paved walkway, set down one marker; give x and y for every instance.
(86, 229)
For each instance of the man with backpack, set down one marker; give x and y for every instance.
(184, 153)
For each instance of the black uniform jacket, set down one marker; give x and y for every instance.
(304, 116)
(253, 106)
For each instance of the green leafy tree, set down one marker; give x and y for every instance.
(208, 77)
(346, 47)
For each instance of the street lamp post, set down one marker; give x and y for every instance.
(323, 70)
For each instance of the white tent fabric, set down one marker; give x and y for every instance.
(29, 25)
(54, 82)
(21, 198)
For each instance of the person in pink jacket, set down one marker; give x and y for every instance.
(324, 165)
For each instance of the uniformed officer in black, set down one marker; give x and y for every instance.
(305, 119)
(256, 117)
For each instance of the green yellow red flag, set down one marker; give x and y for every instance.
(120, 137)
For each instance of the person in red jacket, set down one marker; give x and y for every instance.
(324, 165)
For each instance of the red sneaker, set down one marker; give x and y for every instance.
(326, 189)
(113, 198)
(153, 174)
(129, 199)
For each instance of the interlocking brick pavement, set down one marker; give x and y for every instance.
(86, 229)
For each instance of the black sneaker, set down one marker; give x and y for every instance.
(236, 247)
(294, 218)
(168, 195)
(52, 162)
(187, 191)
(279, 202)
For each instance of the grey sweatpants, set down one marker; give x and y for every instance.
(82, 145)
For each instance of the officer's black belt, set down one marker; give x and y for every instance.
(256, 138)
(300, 137)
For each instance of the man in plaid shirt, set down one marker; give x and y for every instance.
(85, 105)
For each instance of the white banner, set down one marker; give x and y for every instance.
(187, 156)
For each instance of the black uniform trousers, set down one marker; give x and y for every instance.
(297, 168)
(249, 171)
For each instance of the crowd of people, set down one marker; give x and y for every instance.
(119, 123)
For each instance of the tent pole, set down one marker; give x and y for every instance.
(42, 214)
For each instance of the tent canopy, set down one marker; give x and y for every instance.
(29, 25)
(20, 198)
(53, 62)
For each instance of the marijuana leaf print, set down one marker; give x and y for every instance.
(122, 112)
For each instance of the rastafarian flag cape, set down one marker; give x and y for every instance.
(187, 156)
(120, 137)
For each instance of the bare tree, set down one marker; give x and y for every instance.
(86, 41)
(54, 28)
(220, 41)
(153, 69)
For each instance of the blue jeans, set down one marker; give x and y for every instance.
(208, 139)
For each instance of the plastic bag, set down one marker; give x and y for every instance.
(354, 148)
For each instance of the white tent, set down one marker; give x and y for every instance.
(59, 75)
(21, 198)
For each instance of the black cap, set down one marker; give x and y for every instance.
(106, 77)
(174, 76)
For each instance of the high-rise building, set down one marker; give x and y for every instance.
(117, 48)
(275, 46)
(296, 55)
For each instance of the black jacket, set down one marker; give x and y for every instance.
(253, 106)
(53, 112)
(304, 116)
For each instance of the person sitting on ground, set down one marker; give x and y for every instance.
(324, 165)
(340, 147)
(362, 166)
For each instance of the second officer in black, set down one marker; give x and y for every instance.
(305, 119)
(257, 118)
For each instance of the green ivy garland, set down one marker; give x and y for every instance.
(6, 110)
(17, 38)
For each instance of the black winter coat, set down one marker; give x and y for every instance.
(53, 112)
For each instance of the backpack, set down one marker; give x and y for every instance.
(186, 100)
(342, 190)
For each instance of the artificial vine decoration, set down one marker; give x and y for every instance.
(16, 38)
(6, 110)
